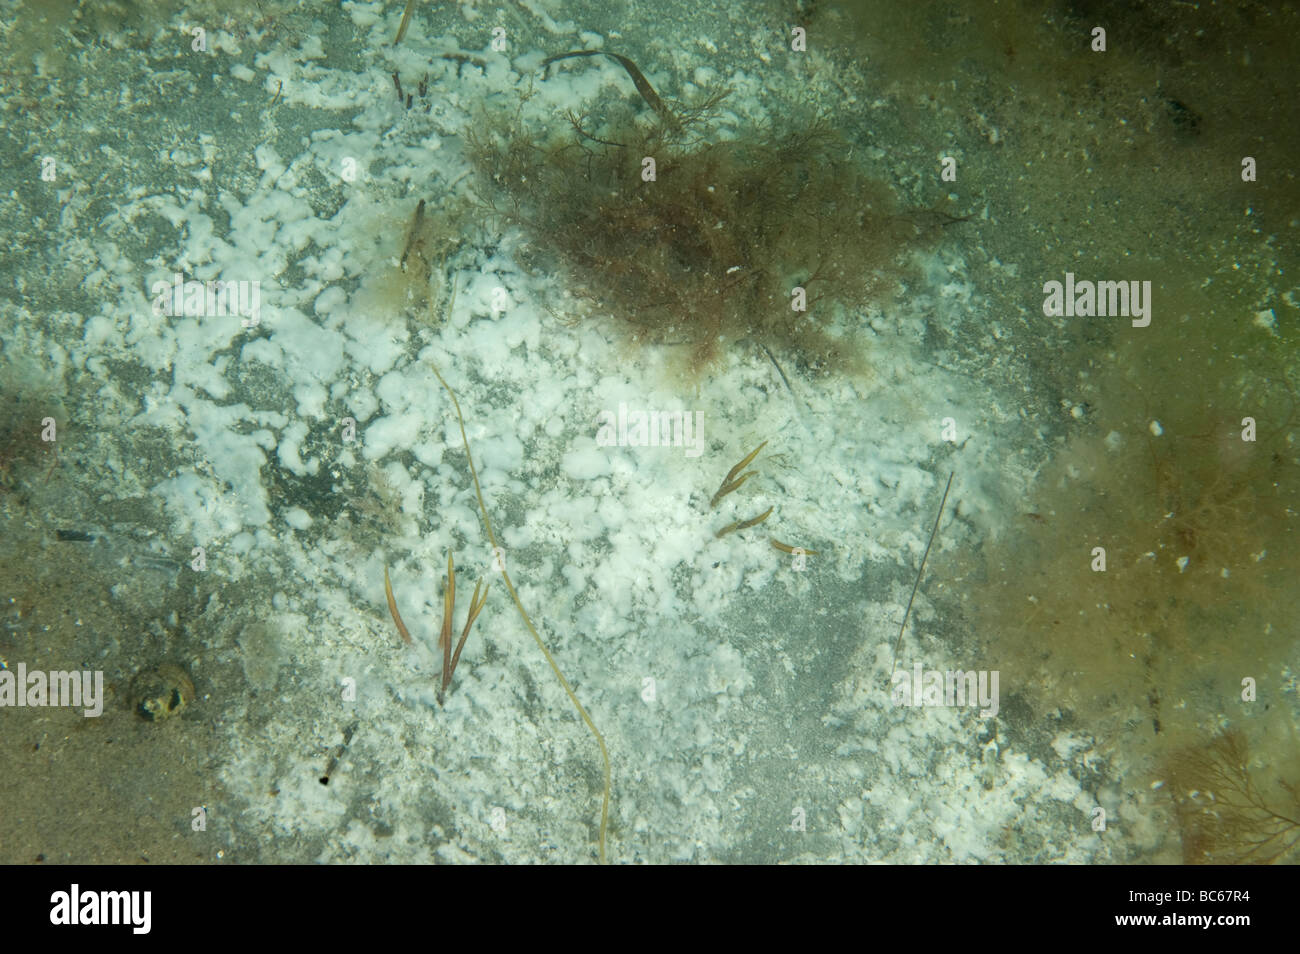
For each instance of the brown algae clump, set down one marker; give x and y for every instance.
(700, 243)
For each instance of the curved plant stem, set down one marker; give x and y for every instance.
(573, 697)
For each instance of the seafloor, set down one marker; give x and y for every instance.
(222, 493)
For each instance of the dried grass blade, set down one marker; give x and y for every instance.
(406, 21)
(444, 638)
(729, 483)
(392, 608)
(475, 607)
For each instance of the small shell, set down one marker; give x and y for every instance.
(161, 693)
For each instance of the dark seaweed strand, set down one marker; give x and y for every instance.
(638, 79)
(921, 570)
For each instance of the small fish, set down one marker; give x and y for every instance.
(638, 80)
